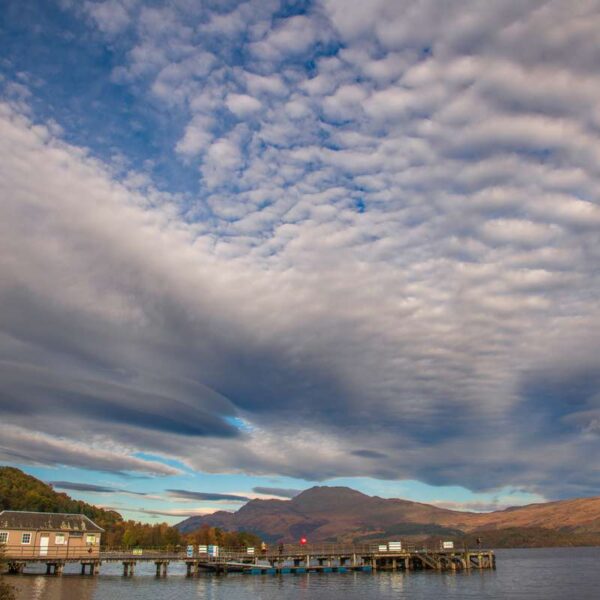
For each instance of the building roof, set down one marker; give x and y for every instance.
(39, 521)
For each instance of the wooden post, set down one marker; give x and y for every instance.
(16, 568)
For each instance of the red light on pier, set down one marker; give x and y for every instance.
(303, 541)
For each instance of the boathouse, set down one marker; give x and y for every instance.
(38, 535)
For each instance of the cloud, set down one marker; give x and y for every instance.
(390, 242)
(472, 506)
(110, 16)
(32, 447)
(206, 496)
(275, 491)
(81, 487)
(90, 487)
(175, 512)
(369, 453)
(242, 105)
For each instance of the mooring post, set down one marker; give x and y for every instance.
(16, 568)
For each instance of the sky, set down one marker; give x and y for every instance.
(251, 247)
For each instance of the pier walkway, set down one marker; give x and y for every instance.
(289, 559)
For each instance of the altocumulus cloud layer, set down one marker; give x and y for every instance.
(389, 269)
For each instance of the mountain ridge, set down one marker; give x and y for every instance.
(325, 513)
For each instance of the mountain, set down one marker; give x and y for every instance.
(340, 513)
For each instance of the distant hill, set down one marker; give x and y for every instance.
(340, 513)
(19, 491)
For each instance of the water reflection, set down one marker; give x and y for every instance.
(533, 574)
(41, 587)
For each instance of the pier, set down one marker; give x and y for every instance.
(289, 559)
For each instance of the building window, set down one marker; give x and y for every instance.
(90, 539)
(3, 537)
(26, 538)
(59, 539)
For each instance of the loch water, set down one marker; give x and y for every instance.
(528, 574)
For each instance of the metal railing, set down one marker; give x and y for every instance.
(181, 552)
(273, 551)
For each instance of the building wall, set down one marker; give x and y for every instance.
(73, 547)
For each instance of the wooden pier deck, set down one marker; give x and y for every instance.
(330, 558)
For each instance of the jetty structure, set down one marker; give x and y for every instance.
(288, 559)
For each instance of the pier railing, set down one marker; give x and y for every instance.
(35, 552)
(271, 552)
(237, 554)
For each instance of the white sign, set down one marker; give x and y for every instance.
(190, 551)
(213, 551)
(250, 550)
(447, 545)
(202, 549)
(395, 546)
(382, 547)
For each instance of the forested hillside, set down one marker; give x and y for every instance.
(19, 491)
